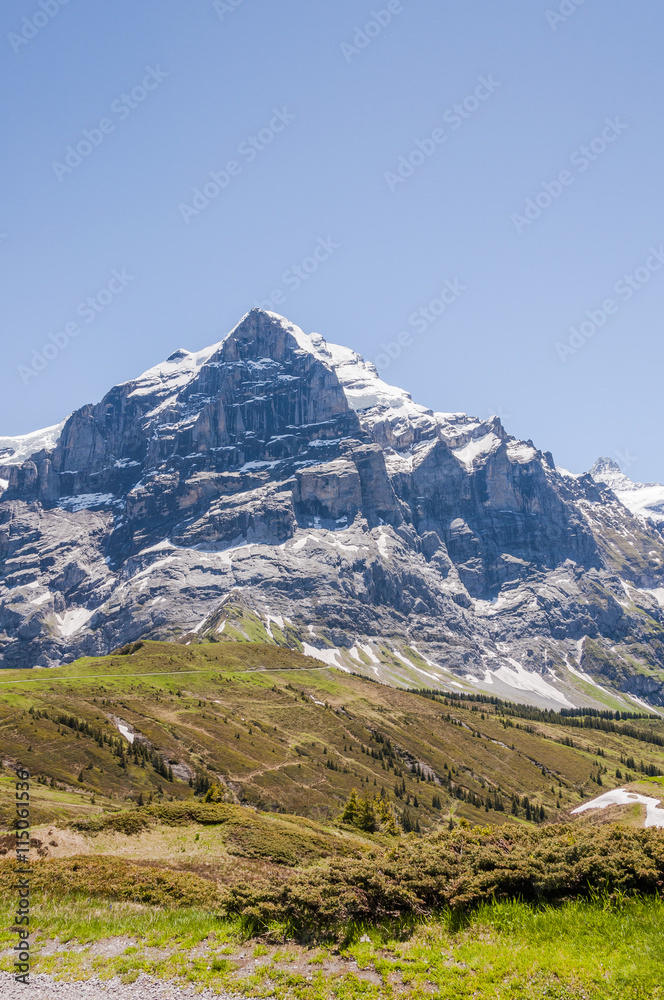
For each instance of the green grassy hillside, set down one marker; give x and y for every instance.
(284, 733)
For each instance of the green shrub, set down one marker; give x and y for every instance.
(113, 878)
(457, 870)
(180, 813)
(124, 822)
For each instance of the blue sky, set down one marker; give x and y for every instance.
(460, 185)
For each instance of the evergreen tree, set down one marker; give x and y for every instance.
(351, 810)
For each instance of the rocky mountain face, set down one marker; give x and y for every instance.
(272, 487)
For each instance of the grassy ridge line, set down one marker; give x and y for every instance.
(96, 677)
(138, 657)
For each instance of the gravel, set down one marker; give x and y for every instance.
(43, 987)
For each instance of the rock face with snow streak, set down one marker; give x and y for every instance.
(275, 477)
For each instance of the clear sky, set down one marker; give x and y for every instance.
(360, 176)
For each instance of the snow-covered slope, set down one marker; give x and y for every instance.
(642, 499)
(14, 450)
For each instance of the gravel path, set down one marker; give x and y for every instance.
(43, 987)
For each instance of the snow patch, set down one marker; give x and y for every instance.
(650, 709)
(383, 547)
(585, 677)
(42, 599)
(520, 452)
(71, 621)
(22, 447)
(526, 680)
(621, 797)
(368, 651)
(329, 656)
(476, 449)
(419, 670)
(278, 621)
(86, 501)
(301, 542)
(171, 375)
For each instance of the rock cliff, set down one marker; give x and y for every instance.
(273, 487)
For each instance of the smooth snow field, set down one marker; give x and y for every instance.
(621, 797)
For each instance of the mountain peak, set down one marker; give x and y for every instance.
(263, 334)
(605, 466)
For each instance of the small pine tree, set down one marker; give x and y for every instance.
(351, 809)
(215, 793)
(366, 817)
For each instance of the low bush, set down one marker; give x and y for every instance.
(457, 870)
(123, 822)
(112, 878)
(180, 813)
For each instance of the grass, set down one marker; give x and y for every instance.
(577, 951)
(286, 734)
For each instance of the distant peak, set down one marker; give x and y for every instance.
(604, 466)
(179, 355)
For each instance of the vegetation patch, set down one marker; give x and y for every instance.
(112, 878)
(459, 871)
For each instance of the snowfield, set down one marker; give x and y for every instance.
(621, 797)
